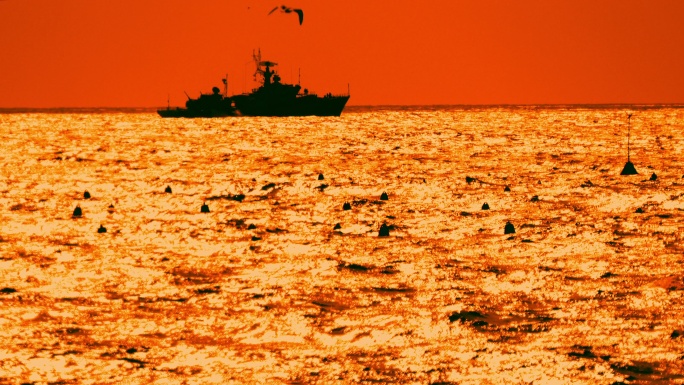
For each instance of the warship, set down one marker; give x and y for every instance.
(271, 98)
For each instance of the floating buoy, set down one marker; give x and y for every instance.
(534, 199)
(255, 238)
(654, 176)
(337, 227)
(509, 228)
(539, 182)
(507, 189)
(77, 212)
(384, 197)
(629, 166)
(639, 210)
(384, 231)
(86, 195)
(485, 206)
(346, 206)
(470, 180)
(205, 208)
(320, 177)
(251, 226)
(102, 229)
(629, 169)
(111, 205)
(167, 190)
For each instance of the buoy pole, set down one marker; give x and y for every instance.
(629, 166)
(629, 131)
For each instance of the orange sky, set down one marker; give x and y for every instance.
(135, 53)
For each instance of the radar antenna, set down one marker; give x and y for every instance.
(256, 56)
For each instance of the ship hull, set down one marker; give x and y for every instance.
(305, 105)
(186, 113)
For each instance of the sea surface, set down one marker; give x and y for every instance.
(263, 289)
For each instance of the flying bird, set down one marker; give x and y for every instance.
(286, 9)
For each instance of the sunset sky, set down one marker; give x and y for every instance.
(136, 53)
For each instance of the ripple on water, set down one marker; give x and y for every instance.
(264, 288)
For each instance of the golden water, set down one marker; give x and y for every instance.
(586, 291)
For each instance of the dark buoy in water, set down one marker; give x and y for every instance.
(346, 206)
(384, 231)
(629, 166)
(205, 208)
(535, 199)
(485, 206)
(167, 189)
(86, 195)
(384, 197)
(251, 226)
(507, 189)
(337, 227)
(78, 212)
(539, 182)
(629, 169)
(470, 180)
(639, 210)
(654, 176)
(509, 228)
(102, 229)
(320, 177)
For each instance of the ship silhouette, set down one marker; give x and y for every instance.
(271, 98)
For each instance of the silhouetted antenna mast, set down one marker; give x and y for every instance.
(225, 86)
(629, 131)
(629, 168)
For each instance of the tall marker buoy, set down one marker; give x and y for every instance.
(629, 166)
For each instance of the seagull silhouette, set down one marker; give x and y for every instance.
(286, 9)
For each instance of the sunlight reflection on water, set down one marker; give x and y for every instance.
(586, 290)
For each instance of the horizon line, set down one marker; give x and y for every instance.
(10, 110)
